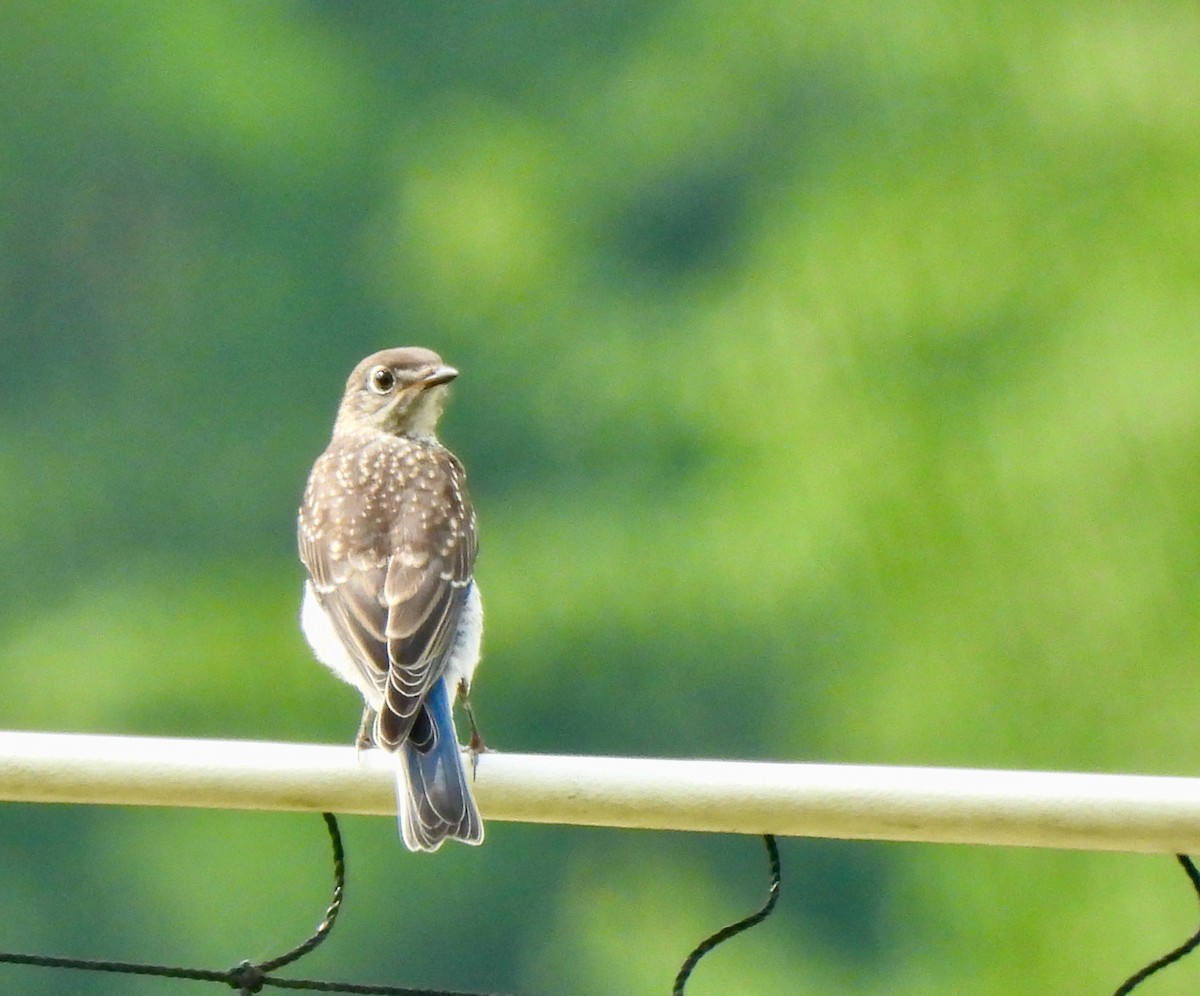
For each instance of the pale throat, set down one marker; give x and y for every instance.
(422, 419)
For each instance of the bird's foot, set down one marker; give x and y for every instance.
(476, 744)
(362, 740)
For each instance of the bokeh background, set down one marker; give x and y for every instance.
(829, 393)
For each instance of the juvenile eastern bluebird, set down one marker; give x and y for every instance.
(387, 534)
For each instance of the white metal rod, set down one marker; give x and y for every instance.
(944, 805)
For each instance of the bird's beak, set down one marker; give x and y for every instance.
(439, 375)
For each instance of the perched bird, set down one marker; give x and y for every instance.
(387, 534)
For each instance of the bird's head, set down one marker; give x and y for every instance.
(398, 391)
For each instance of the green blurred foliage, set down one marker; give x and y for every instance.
(829, 392)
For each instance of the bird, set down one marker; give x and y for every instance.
(386, 533)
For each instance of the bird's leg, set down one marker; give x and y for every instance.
(363, 740)
(475, 745)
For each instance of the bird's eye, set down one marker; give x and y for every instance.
(381, 380)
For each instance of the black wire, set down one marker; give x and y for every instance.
(705, 946)
(322, 986)
(1171, 956)
(249, 977)
(331, 912)
(123, 967)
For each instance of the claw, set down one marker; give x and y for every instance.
(475, 744)
(363, 740)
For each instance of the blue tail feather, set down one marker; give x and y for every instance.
(433, 794)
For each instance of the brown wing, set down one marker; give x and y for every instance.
(351, 597)
(427, 583)
(390, 556)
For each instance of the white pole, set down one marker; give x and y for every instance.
(963, 806)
